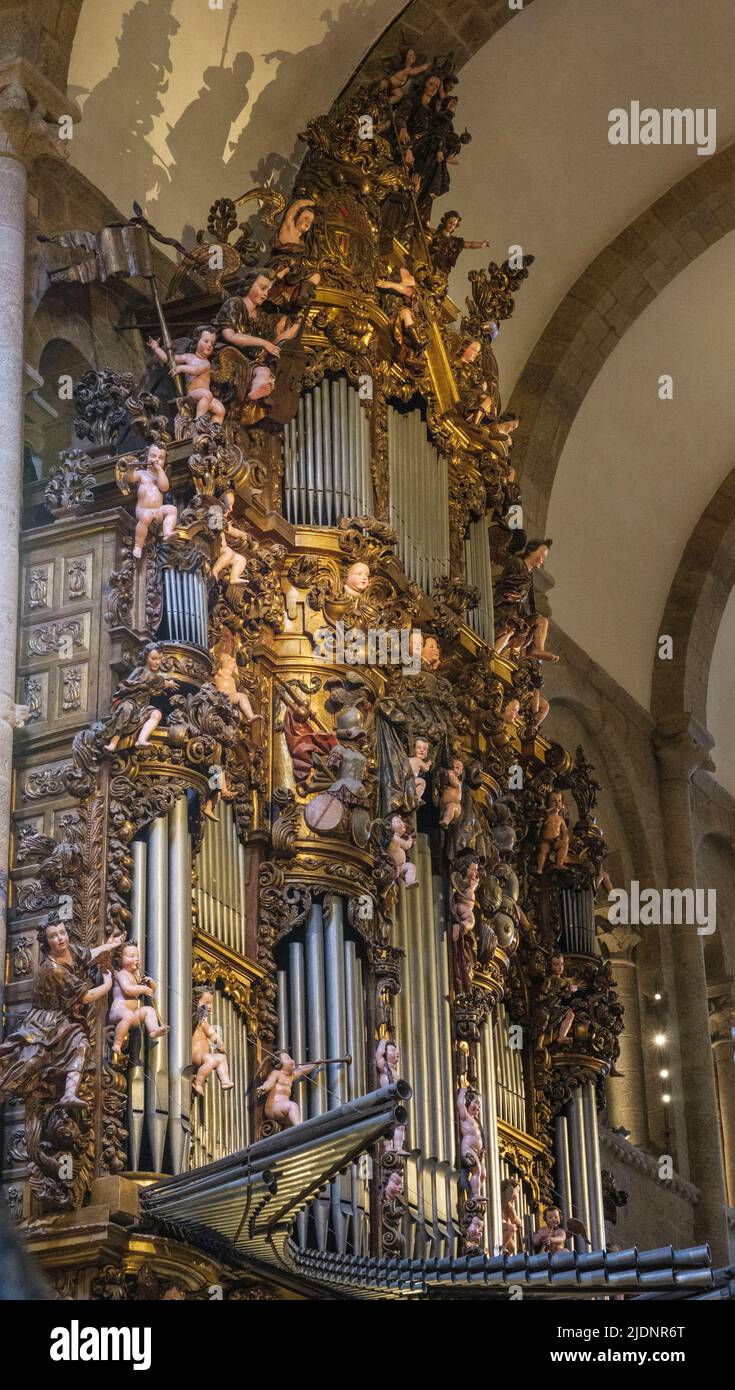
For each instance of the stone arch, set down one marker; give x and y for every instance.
(41, 34)
(697, 598)
(596, 312)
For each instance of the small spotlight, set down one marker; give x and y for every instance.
(664, 1073)
(659, 1039)
(666, 1097)
(658, 997)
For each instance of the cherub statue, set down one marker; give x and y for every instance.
(230, 559)
(472, 1140)
(357, 580)
(130, 704)
(420, 763)
(431, 656)
(226, 676)
(276, 1090)
(555, 834)
(54, 1037)
(399, 80)
(195, 364)
(451, 780)
(152, 484)
(552, 1236)
(512, 1231)
(207, 1051)
(129, 990)
(387, 1063)
(401, 842)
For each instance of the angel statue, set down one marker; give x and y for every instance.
(243, 323)
(196, 365)
(131, 707)
(53, 1039)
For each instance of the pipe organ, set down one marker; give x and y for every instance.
(478, 572)
(419, 497)
(338, 509)
(327, 456)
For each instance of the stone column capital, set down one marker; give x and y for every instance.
(721, 1003)
(682, 749)
(30, 107)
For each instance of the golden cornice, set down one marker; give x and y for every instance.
(209, 949)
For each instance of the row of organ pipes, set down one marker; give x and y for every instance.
(327, 475)
(419, 498)
(186, 607)
(321, 1013)
(327, 456)
(170, 1129)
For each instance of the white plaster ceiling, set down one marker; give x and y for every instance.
(161, 110)
(636, 471)
(540, 171)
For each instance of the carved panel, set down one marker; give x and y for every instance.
(21, 956)
(24, 831)
(38, 582)
(77, 582)
(65, 636)
(37, 782)
(33, 692)
(72, 690)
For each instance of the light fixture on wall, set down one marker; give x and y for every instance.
(659, 1039)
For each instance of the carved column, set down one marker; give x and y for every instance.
(24, 137)
(626, 1095)
(722, 1023)
(679, 755)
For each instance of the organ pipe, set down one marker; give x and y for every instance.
(136, 1069)
(157, 1082)
(179, 981)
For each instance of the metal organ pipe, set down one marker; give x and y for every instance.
(179, 983)
(494, 1235)
(157, 1075)
(136, 1070)
(596, 1228)
(580, 1190)
(563, 1166)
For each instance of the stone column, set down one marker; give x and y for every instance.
(722, 1023)
(679, 755)
(24, 136)
(626, 1094)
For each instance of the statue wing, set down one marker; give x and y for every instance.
(576, 1228)
(233, 369)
